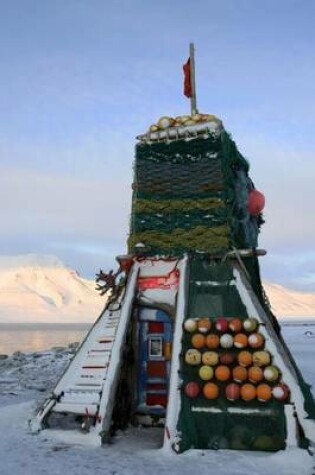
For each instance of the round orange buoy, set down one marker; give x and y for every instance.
(227, 358)
(198, 340)
(236, 325)
(255, 374)
(232, 392)
(248, 392)
(222, 373)
(264, 392)
(239, 374)
(256, 202)
(210, 391)
(261, 358)
(212, 341)
(245, 358)
(240, 340)
(256, 340)
(210, 358)
(204, 325)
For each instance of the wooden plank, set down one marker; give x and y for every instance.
(82, 409)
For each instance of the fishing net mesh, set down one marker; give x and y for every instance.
(186, 197)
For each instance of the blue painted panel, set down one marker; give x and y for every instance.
(145, 316)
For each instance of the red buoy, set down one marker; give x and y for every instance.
(256, 202)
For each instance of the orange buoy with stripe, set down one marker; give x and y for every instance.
(248, 392)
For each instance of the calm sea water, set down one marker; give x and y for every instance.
(36, 336)
(30, 337)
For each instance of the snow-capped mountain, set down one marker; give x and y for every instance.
(35, 288)
(290, 303)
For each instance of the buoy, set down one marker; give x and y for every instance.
(240, 340)
(212, 341)
(165, 122)
(280, 392)
(222, 373)
(153, 128)
(236, 325)
(222, 324)
(210, 391)
(263, 442)
(255, 374)
(190, 325)
(250, 324)
(226, 340)
(261, 358)
(248, 392)
(256, 202)
(204, 325)
(192, 389)
(198, 340)
(239, 374)
(210, 358)
(232, 392)
(263, 392)
(193, 357)
(245, 358)
(256, 340)
(227, 358)
(206, 372)
(271, 373)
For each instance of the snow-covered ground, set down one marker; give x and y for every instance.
(25, 379)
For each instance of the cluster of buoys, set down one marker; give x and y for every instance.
(166, 122)
(231, 361)
(243, 437)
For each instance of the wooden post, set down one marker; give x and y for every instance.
(193, 99)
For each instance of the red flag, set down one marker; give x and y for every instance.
(187, 82)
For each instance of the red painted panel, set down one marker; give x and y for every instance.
(156, 399)
(156, 387)
(156, 327)
(168, 281)
(156, 368)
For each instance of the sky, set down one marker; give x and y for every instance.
(80, 79)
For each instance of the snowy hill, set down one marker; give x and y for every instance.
(42, 289)
(290, 303)
(36, 288)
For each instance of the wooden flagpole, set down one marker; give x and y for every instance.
(193, 99)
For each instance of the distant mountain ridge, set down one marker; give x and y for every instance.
(40, 288)
(290, 303)
(36, 288)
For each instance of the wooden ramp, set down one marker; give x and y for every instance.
(88, 385)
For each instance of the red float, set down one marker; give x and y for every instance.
(280, 392)
(232, 392)
(222, 325)
(256, 202)
(192, 389)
